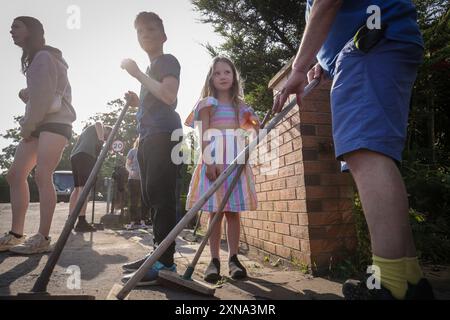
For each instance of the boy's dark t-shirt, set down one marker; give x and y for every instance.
(154, 116)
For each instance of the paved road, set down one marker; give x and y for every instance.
(99, 257)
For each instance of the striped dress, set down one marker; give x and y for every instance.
(225, 148)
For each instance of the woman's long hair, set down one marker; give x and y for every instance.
(34, 42)
(236, 90)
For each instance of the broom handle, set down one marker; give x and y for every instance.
(162, 247)
(44, 277)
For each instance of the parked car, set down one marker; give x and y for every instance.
(63, 181)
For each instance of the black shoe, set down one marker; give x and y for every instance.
(237, 270)
(83, 226)
(420, 291)
(134, 265)
(212, 273)
(357, 290)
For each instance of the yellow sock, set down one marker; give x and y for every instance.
(392, 272)
(413, 270)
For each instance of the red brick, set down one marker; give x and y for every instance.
(258, 224)
(262, 215)
(293, 157)
(304, 245)
(252, 215)
(257, 187)
(262, 196)
(260, 178)
(315, 118)
(340, 179)
(285, 148)
(324, 130)
(326, 245)
(269, 247)
(273, 216)
(301, 257)
(297, 206)
(291, 242)
(267, 206)
(272, 195)
(299, 232)
(297, 144)
(337, 205)
(287, 171)
(321, 192)
(301, 193)
(294, 181)
(311, 167)
(282, 228)
(247, 222)
(263, 234)
(324, 218)
(275, 238)
(281, 205)
(266, 186)
(287, 194)
(252, 232)
(298, 169)
(279, 184)
(302, 219)
(258, 243)
(295, 119)
(268, 226)
(347, 217)
(346, 192)
(290, 218)
(282, 251)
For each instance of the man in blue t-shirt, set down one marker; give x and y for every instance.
(157, 119)
(372, 50)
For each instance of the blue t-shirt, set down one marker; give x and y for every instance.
(399, 15)
(154, 116)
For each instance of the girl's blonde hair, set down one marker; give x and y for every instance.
(136, 143)
(236, 90)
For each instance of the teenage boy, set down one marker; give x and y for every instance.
(157, 119)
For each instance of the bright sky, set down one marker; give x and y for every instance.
(94, 52)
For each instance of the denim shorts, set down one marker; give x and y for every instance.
(370, 97)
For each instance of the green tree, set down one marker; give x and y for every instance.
(260, 36)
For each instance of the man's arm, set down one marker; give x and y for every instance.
(323, 13)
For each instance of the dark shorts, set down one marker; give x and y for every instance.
(370, 97)
(62, 129)
(82, 165)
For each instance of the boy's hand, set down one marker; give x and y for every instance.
(131, 67)
(23, 95)
(132, 99)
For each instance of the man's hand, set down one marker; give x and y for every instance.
(132, 99)
(131, 67)
(295, 84)
(316, 72)
(23, 95)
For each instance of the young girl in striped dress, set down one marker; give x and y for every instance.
(221, 110)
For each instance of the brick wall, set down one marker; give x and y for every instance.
(304, 207)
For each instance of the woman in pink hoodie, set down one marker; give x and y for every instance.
(46, 129)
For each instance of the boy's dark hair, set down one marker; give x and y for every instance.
(148, 17)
